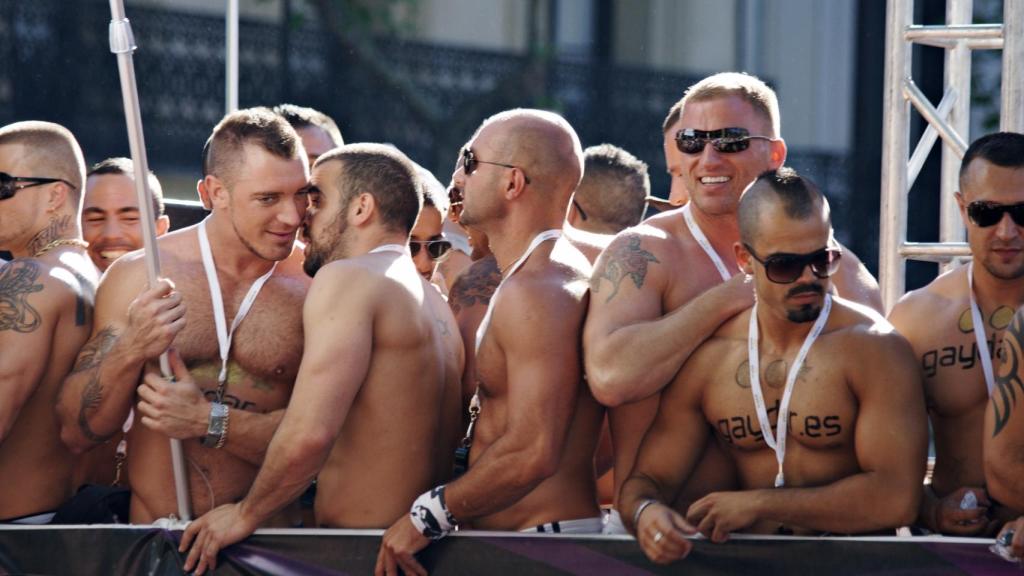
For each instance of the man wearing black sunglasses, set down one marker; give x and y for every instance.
(956, 325)
(663, 287)
(536, 417)
(855, 432)
(46, 294)
(426, 242)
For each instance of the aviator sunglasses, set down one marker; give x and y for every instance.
(787, 268)
(726, 140)
(986, 214)
(9, 184)
(468, 160)
(435, 248)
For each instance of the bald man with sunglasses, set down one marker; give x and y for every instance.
(848, 457)
(941, 321)
(664, 286)
(47, 294)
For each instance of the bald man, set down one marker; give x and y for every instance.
(849, 455)
(47, 293)
(531, 461)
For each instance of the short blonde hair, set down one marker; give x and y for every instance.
(750, 88)
(51, 149)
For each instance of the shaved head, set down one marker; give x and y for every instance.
(51, 150)
(799, 198)
(543, 144)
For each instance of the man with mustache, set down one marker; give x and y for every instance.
(854, 430)
(230, 305)
(956, 327)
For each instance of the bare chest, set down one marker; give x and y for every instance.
(820, 415)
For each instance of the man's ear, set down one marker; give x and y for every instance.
(216, 192)
(163, 224)
(743, 258)
(516, 184)
(58, 196)
(962, 204)
(778, 153)
(204, 194)
(362, 208)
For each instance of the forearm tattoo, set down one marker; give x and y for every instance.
(476, 286)
(18, 279)
(625, 260)
(89, 359)
(1008, 378)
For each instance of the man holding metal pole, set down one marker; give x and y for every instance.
(237, 344)
(46, 300)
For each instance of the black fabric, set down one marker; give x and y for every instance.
(95, 505)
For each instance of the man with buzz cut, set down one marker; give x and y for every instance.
(803, 392)
(46, 294)
(318, 131)
(956, 325)
(664, 286)
(228, 310)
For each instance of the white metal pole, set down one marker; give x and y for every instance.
(958, 76)
(231, 58)
(1012, 111)
(122, 43)
(895, 152)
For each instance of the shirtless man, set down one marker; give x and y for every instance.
(531, 463)
(662, 287)
(227, 403)
(318, 131)
(938, 320)
(855, 430)
(381, 343)
(46, 294)
(110, 211)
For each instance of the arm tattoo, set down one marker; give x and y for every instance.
(17, 281)
(95, 349)
(1008, 379)
(476, 286)
(624, 260)
(89, 358)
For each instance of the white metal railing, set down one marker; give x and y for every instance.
(949, 121)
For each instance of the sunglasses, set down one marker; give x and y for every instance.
(787, 268)
(435, 248)
(726, 140)
(986, 214)
(9, 184)
(468, 161)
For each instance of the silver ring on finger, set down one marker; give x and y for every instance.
(658, 536)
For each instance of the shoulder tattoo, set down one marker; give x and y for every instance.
(625, 260)
(476, 286)
(1008, 383)
(18, 279)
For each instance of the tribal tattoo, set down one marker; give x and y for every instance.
(18, 279)
(1008, 378)
(626, 260)
(57, 228)
(476, 286)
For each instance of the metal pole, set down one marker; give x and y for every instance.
(895, 152)
(122, 43)
(958, 77)
(231, 58)
(1012, 111)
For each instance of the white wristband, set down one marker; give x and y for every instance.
(430, 515)
(640, 510)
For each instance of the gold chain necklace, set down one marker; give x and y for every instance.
(61, 242)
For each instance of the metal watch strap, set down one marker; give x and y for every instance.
(217, 428)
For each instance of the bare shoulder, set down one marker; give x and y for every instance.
(920, 308)
(475, 285)
(867, 337)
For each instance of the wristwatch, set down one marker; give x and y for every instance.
(217, 429)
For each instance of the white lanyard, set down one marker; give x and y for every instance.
(701, 239)
(396, 248)
(782, 422)
(979, 332)
(224, 335)
(537, 241)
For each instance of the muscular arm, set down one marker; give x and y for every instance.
(469, 297)
(890, 441)
(97, 395)
(28, 315)
(538, 329)
(670, 449)
(338, 335)
(1004, 422)
(631, 350)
